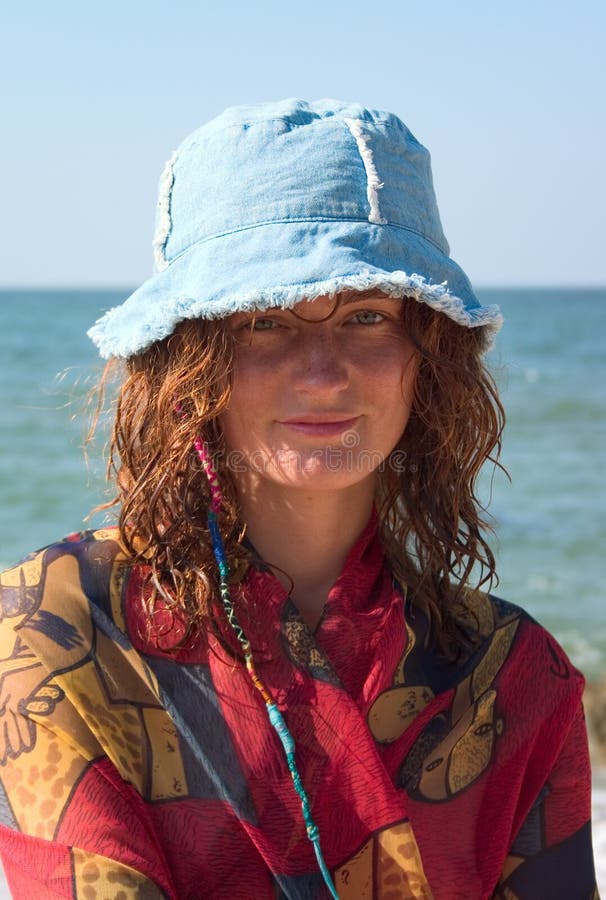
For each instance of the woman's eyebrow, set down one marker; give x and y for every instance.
(347, 299)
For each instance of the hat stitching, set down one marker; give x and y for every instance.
(373, 183)
(369, 116)
(293, 221)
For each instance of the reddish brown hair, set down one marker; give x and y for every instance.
(431, 519)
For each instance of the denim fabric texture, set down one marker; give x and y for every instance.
(268, 205)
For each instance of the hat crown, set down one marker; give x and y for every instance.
(294, 161)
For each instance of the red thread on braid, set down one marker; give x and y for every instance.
(213, 481)
(205, 459)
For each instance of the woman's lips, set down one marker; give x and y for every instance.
(320, 426)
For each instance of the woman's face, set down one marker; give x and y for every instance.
(321, 394)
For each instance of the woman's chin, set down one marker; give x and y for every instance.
(317, 472)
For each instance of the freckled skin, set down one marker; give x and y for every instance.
(352, 364)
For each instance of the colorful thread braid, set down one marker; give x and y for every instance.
(274, 714)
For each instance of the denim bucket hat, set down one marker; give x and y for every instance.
(272, 204)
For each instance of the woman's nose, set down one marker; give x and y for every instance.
(321, 366)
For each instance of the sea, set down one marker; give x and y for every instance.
(548, 509)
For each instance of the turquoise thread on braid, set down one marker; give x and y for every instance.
(275, 716)
(277, 720)
(313, 832)
(323, 867)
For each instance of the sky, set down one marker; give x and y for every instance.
(508, 97)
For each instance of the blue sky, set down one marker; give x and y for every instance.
(509, 98)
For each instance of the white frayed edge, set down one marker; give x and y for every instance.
(125, 331)
(163, 215)
(373, 184)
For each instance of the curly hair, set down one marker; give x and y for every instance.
(433, 522)
(430, 517)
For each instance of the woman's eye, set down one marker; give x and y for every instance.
(368, 317)
(245, 330)
(263, 324)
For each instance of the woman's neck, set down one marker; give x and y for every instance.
(306, 536)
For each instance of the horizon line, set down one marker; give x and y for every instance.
(484, 286)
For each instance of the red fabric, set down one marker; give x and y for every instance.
(457, 781)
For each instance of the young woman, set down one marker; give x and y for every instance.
(281, 675)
